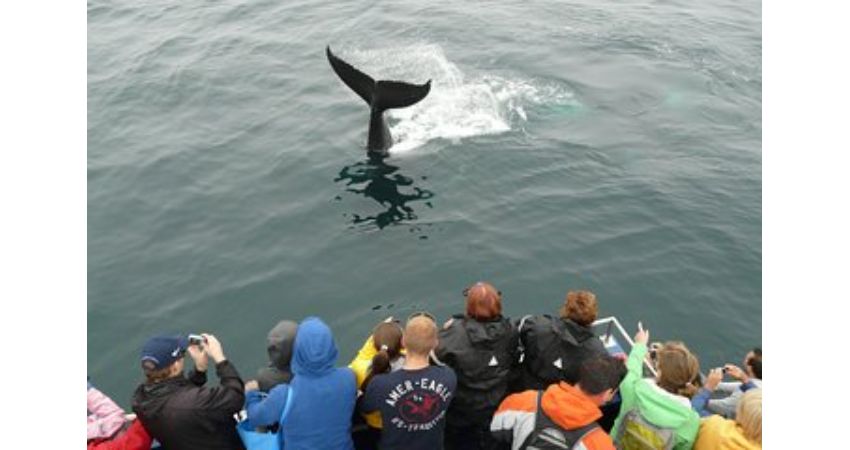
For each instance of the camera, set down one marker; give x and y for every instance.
(196, 339)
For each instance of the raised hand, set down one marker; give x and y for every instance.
(251, 385)
(213, 348)
(642, 336)
(715, 376)
(196, 351)
(736, 372)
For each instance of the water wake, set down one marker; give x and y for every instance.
(459, 105)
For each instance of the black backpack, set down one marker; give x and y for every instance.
(549, 435)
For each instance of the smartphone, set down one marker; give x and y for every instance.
(196, 339)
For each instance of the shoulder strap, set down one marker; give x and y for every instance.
(289, 394)
(571, 437)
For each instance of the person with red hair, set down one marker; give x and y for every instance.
(482, 347)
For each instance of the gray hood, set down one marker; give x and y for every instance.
(280, 341)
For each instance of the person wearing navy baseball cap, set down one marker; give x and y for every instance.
(179, 411)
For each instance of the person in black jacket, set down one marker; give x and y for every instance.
(554, 349)
(179, 412)
(482, 347)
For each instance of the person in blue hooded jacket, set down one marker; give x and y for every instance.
(323, 395)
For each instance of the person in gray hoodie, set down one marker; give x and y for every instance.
(280, 341)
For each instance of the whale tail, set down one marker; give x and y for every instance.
(380, 95)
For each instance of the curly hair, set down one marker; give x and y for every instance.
(580, 307)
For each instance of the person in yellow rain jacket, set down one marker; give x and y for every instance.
(743, 433)
(381, 353)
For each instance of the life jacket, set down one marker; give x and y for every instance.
(549, 435)
(637, 433)
(483, 355)
(554, 350)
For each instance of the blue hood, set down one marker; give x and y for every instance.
(315, 349)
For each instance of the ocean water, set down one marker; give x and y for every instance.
(604, 145)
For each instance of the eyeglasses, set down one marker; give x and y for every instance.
(422, 314)
(465, 292)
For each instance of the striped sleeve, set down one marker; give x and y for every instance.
(513, 422)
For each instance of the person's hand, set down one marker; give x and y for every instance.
(251, 385)
(736, 372)
(198, 355)
(213, 348)
(642, 336)
(715, 376)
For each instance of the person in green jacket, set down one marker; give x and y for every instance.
(663, 402)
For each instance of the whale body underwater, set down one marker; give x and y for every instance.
(380, 95)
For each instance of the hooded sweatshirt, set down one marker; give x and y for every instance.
(656, 405)
(280, 340)
(718, 433)
(322, 396)
(565, 405)
(484, 356)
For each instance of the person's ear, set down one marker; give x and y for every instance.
(177, 367)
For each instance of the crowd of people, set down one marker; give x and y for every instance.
(478, 381)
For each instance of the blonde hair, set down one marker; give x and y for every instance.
(748, 415)
(420, 335)
(679, 369)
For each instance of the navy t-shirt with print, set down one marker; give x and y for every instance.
(413, 406)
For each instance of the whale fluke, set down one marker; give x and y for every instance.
(381, 96)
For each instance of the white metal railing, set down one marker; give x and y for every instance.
(613, 323)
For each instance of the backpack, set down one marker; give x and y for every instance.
(552, 352)
(549, 435)
(637, 433)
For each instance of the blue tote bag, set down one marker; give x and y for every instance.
(255, 440)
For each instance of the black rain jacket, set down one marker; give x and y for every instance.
(182, 414)
(485, 357)
(554, 350)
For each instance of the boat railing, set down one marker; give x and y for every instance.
(611, 326)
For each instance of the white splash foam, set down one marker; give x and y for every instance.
(458, 106)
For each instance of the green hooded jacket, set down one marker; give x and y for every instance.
(657, 406)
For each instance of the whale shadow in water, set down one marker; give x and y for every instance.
(383, 183)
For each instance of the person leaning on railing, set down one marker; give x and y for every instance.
(413, 400)
(554, 348)
(660, 407)
(180, 412)
(382, 353)
(482, 348)
(321, 395)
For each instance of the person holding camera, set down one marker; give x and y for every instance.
(180, 412)
(746, 379)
